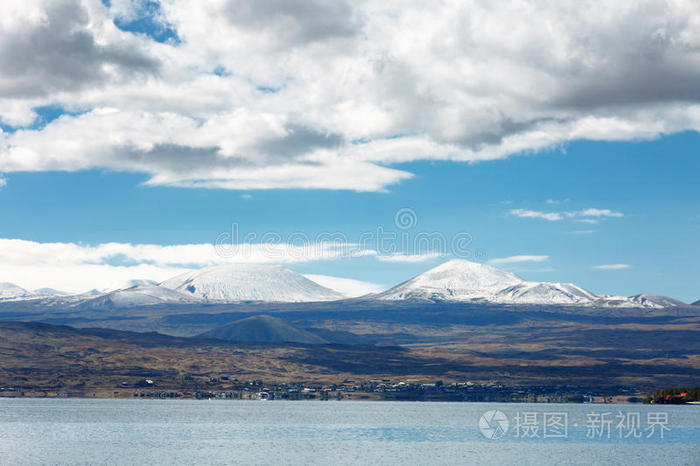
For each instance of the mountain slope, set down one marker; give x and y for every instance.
(545, 293)
(263, 329)
(125, 284)
(12, 291)
(250, 282)
(464, 281)
(648, 301)
(455, 280)
(655, 300)
(140, 295)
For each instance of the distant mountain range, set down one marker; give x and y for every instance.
(464, 281)
(12, 291)
(453, 281)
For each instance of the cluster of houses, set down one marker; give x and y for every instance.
(225, 387)
(387, 389)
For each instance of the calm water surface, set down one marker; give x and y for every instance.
(75, 431)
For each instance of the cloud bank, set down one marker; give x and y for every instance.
(590, 215)
(329, 95)
(77, 267)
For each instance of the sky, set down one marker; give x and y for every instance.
(359, 143)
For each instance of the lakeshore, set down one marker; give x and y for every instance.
(349, 390)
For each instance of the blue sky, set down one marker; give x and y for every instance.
(653, 183)
(134, 133)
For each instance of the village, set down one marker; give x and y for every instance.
(226, 388)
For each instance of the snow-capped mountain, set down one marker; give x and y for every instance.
(45, 296)
(655, 300)
(223, 284)
(11, 291)
(250, 282)
(544, 293)
(455, 280)
(640, 300)
(460, 280)
(139, 295)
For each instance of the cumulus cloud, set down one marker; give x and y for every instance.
(518, 259)
(294, 21)
(590, 215)
(328, 95)
(612, 266)
(50, 46)
(525, 213)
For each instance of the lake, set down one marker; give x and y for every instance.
(86, 431)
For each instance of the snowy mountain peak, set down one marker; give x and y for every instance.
(250, 282)
(464, 281)
(12, 291)
(454, 280)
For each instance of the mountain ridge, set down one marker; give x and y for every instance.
(457, 280)
(460, 280)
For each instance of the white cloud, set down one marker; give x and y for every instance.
(612, 266)
(3, 182)
(524, 213)
(78, 267)
(311, 94)
(347, 286)
(518, 259)
(598, 213)
(589, 215)
(409, 258)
